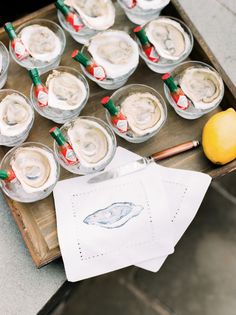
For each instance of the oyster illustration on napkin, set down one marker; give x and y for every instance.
(115, 215)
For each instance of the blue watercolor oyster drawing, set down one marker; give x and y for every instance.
(114, 216)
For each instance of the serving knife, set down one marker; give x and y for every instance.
(144, 162)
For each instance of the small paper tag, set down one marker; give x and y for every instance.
(122, 125)
(70, 156)
(153, 53)
(182, 101)
(19, 48)
(77, 21)
(43, 98)
(99, 72)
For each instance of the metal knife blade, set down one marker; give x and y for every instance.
(121, 170)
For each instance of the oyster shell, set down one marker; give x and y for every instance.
(90, 141)
(42, 43)
(152, 4)
(65, 90)
(144, 112)
(15, 115)
(115, 51)
(168, 37)
(203, 86)
(114, 216)
(35, 168)
(95, 14)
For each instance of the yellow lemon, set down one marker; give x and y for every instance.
(219, 137)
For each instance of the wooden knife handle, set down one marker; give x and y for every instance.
(175, 150)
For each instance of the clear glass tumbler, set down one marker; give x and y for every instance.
(11, 141)
(79, 168)
(30, 62)
(191, 112)
(82, 36)
(14, 189)
(57, 115)
(107, 84)
(120, 95)
(164, 65)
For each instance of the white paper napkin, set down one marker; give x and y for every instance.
(91, 239)
(185, 191)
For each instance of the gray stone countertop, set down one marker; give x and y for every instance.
(216, 21)
(25, 289)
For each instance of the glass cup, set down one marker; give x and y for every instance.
(15, 140)
(164, 65)
(191, 112)
(30, 63)
(14, 189)
(5, 64)
(120, 95)
(79, 168)
(57, 115)
(82, 36)
(107, 84)
(140, 16)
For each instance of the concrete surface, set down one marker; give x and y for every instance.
(198, 279)
(23, 288)
(216, 21)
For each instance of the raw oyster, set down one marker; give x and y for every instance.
(144, 112)
(168, 37)
(115, 51)
(41, 42)
(15, 115)
(114, 216)
(152, 4)
(203, 86)
(65, 91)
(35, 168)
(90, 141)
(95, 14)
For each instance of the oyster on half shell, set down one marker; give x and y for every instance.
(95, 14)
(203, 86)
(144, 113)
(15, 115)
(90, 141)
(168, 37)
(35, 168)
(42, 43)
(65, 90)
(115, 51)
(152, 4)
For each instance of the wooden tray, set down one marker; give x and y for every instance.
(36, 221)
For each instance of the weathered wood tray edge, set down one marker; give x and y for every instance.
(55, 253)
(206, 55)
(38, 261)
